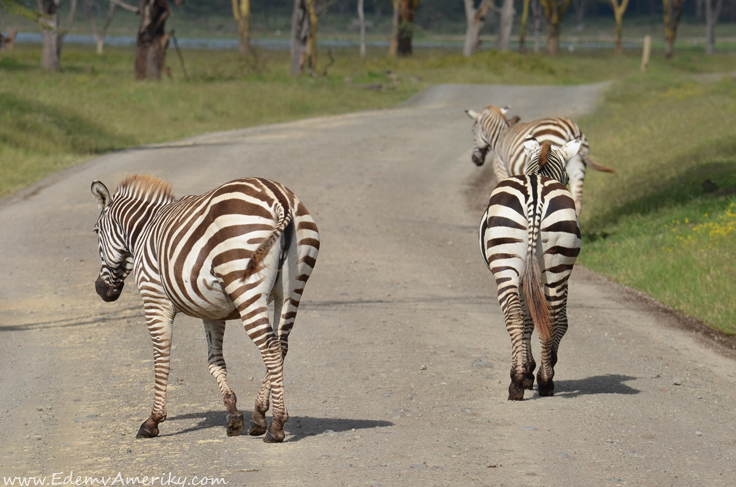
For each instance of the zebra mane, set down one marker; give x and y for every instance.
(146, 188)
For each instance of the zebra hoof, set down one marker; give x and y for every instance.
(546, 389)
(277, 437)
(147, 431)
(528, 383)
(235, 424)
(516, 393)
(257, 429)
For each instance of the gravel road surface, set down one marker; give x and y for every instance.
(399, 362)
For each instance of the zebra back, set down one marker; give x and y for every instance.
(545, 160)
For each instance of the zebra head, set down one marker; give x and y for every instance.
(117, 261)
(488, 126)
(549, 161)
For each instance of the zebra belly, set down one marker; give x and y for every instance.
(203, 297)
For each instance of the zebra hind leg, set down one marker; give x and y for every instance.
(215, 331)
(514, 316)
(547, 386)
(529, 364)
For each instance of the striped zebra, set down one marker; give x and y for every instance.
(223, 255)
(529, 238)
(493, 132)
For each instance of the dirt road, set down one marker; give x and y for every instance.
(398, 365)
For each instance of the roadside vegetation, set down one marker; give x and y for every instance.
(665, 222)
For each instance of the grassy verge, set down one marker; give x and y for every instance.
(665, 223)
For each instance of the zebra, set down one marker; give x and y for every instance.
(223, 255)
(530, 239)
(492, 131)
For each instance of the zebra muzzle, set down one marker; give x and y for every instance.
(107, 292)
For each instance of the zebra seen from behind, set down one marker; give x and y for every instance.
(220, 256)
(530, 239)
(493, 132)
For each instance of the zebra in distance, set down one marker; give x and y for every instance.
(530, 239)
(493, 132)
(220, 256)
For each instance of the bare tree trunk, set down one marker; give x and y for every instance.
(404, 13)
(50, 33)
(101, 34)
(579, 14)
(394, 44)
(554, 11)
(476, 19)
(522, 30)
(299, 36)
(152, 41)
(241, 12)
(312, 41)
(698, 9)
(537, 16)
(618, 13)
(505, 24)
(712, 12)
(672, 13)
(361, 20)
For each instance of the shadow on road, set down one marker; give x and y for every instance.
(600, 384)
(297, 428)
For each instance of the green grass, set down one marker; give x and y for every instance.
(657, 225)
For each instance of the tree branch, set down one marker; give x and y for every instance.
(126, 6)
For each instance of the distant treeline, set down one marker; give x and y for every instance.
(433, 14)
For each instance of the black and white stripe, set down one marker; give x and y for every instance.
(530, 239)
(223, 255)
(492, 132)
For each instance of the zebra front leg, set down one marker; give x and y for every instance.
(215, 331)
(160, 320)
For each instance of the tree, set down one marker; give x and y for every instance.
(579, 13)
(476, 18)
(506, 22)
(152, 41)
(52, 33)
(299, 36)
(305, 17)
(712, 12)
(619, 7)
(100, 35)
(241, 12)
(554, 11)
(361, 21)
(404, 13)
(522, 31)
(672, 13)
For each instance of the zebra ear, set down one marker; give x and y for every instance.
(473, 114)
(101, 193)
(505, 109)
(531, 146)
(570, 149)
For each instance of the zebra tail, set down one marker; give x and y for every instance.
(284, 220)
(595, 166)
(532, 286)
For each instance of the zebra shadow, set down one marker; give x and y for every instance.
(599, 384)
(297, 428)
